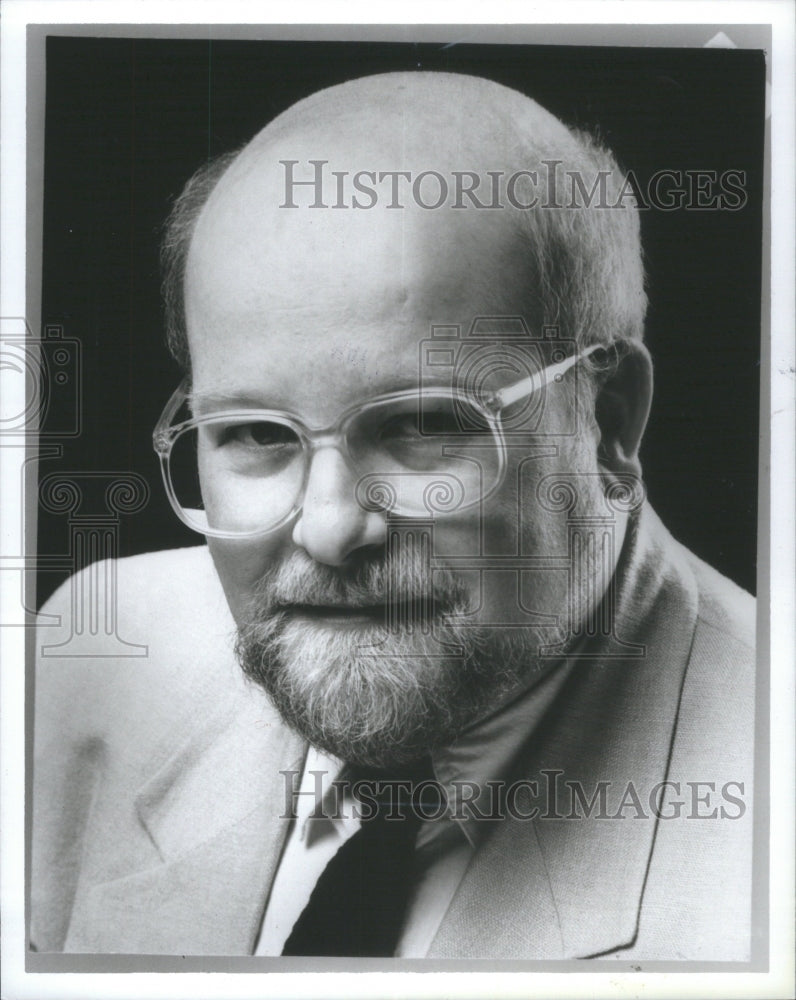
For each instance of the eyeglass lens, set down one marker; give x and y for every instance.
(410, 457)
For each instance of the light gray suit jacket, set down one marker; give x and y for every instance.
(158, 800)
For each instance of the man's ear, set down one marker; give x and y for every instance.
(622, 407)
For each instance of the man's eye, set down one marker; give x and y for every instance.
(413, 427)
(260, 434)
(442, 421)
(400, 428)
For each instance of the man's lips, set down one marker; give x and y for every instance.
(374, 612)
(377, 613)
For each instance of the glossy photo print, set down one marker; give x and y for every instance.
(393, 444)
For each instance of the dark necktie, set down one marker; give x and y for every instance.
(358, 905)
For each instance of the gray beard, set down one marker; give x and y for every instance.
(378, 693)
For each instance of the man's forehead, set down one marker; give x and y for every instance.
(303, 273)
(312, 273)
(315, 375)
(350, 313)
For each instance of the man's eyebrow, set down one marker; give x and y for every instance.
(217, 400)
(210, 401)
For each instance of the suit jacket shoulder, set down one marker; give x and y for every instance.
(166, 602)
(144, 735)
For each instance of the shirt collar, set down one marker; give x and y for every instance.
(473, 770)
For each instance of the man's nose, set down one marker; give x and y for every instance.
(332, 525)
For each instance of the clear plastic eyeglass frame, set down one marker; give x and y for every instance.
(490, 407)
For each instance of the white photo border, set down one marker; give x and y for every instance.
(554, 23)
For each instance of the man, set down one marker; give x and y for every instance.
(410, 313)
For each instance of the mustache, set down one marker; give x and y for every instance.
(397, 578)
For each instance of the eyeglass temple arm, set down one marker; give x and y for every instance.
(160, 435)
(520, 390)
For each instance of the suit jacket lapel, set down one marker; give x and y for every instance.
(558, 887)
(505, 907)
(215, 814)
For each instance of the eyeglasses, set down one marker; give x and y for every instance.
(416, 453)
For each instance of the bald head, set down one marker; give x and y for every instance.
(414, 182)
(435, 120)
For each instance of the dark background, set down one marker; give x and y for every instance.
(128, 120)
